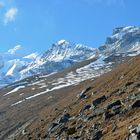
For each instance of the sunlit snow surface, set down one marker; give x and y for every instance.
(14, 90)
(17, 64)
(90, 71)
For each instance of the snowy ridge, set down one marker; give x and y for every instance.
(122, 40)
(17, 64)
(89, 71)
(61, 55)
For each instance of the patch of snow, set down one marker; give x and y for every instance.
(19, 102)
(14, 90)
(31, 56)
(21, 94)
(135, 47)
(61, 42)
(11, 71)
(33, 88)
(45, 76)
(38, 94)
(43, 85)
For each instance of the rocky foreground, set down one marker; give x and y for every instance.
(107, 108)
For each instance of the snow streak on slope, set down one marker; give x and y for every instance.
(90, 71)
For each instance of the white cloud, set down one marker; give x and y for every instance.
(10, 15)
(13, 50)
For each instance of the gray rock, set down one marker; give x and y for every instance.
(98, 112)
(64, 118)
(116, 109)
(128, 84)
(134, 132)
(113, 109)
(79, 124)
(114, 127)
(52, 126)
(82, 95)
(107, 115)
(97, 135)
(113, 104)
(63, 129)
(96, 126)
(137, 85)
(132, 137)
(71, 131)
(131, 97)
(136, 104)
(87, 107)
(99, 100)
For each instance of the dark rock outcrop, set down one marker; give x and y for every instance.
(99, 100)
(136, 104)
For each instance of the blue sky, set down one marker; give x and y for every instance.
(36, 24)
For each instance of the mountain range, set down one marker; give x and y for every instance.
(73, 91)
(16, 64)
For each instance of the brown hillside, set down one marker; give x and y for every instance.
(104, 111)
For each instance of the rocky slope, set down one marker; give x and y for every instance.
(83, 101)
(105, 108)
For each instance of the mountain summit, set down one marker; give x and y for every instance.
(124, 41)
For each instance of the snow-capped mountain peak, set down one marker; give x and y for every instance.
(125, 29)
(63, 50)
(122, 40)
(16, 64)
(62, 42)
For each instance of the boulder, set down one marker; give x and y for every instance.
(114, 127)
(113, 104)
(97, 135)
(137, 85)
(113, 109)
(96, 126)
(107, 115)
(52, 126)
(99, 100)
(87, 107)
(116, 109)
(128, 84)
(63, 129)
(136, 104)
(64, 118)
(59, 123)
(134, 132)
(98, 112)
(83, 95)
(71, 131)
